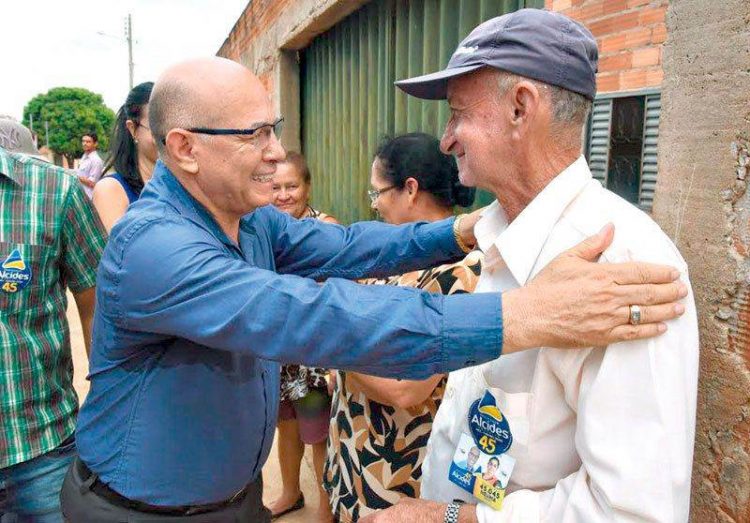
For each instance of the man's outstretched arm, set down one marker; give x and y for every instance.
(197, 291)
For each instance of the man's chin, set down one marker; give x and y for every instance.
(466, 179)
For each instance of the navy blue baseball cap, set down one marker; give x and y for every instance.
(535, 43)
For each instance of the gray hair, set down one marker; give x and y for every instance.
(172, 105)
(568, 108)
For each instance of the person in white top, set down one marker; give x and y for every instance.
(91, 166)
(598, 434)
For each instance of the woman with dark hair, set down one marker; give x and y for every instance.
(379, 427)
(132, 155)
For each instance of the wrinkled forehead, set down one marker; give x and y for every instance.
(465, 89)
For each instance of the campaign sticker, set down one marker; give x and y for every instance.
(14, 273)
(482, 475)
(489, 428)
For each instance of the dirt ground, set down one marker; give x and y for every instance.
(271, 475)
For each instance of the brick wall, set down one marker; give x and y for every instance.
(258, 16)
(630, 34)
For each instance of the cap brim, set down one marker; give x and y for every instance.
(434, 86)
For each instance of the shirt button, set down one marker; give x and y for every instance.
(449, 393)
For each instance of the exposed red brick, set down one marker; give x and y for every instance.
(654, 77)
(628, 40)
(620, 22)
(652, 16)
(615, 62)
(615, 6)
(606, 83)
(559, 5)
(634, 79)
(587, 12)
(659, 34)
(646, 57)
(641, 78)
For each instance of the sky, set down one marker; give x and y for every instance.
(73, 43)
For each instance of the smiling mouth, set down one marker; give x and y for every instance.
(263, 179)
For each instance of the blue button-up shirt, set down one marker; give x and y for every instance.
(190, 328)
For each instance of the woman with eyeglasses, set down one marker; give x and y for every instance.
(132, 155)
(379, 427)
(305, 407)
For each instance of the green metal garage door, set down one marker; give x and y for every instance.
(348, 98)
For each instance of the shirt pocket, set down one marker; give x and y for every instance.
(517, 408)
(15, 296)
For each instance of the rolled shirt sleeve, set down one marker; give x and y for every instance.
(171, 282)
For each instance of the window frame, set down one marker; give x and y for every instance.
(644, 203)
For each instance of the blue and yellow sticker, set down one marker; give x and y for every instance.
(489, 428)
(14, 273)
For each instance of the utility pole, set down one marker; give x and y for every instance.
(46, 132)
(129, 38)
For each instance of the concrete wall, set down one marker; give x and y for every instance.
(703, 203)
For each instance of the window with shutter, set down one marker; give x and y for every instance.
(621, 144)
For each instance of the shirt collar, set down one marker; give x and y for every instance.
(166, 186)
(521, 242)
(8, 165)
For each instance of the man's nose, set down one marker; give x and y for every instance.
(448, 140)
(274, 151)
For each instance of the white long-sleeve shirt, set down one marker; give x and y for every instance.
(599, 434)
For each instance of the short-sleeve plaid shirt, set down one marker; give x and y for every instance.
(50, 232)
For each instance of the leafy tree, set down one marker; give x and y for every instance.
(71, 113)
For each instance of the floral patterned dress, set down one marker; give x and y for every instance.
(375, 451)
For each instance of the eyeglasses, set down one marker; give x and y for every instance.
(374, 194)
(261, 133)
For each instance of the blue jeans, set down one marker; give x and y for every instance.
(30, 491)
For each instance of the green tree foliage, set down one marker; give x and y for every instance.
(71, 112)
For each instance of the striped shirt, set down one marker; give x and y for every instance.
(50, 239)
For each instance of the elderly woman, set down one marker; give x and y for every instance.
(379, 427)
(305, 405)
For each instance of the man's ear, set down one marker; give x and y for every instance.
(525, 99)
(180, 148)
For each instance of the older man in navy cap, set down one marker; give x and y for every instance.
(597, 434)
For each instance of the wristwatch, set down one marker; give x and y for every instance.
(451, 513)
